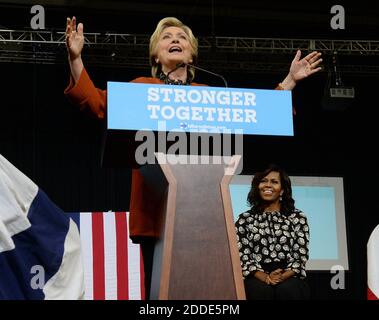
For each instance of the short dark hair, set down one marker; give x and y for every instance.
(254, 199)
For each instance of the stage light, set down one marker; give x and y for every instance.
(337, 96)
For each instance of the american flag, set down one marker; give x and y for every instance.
(113, 266)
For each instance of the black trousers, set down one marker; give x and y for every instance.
(290, 289)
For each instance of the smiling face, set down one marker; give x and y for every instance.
(270, 188)
(173, 47)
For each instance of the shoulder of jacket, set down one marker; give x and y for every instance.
(145, 80)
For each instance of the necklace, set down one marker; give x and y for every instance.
(167, 80)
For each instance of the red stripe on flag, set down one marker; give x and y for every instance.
(122, 256)
(98, 256)
(371, 295)
(142, 276)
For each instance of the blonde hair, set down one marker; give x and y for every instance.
(163, 24)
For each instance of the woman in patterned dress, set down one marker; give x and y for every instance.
(273, 240)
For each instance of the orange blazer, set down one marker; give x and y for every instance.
(143, 210)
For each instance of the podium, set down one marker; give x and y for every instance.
(196, 256)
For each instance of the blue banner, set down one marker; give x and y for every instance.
(135, 106)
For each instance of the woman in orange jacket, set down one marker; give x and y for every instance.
(171, 43)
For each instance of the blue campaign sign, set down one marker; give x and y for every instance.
(136, 106)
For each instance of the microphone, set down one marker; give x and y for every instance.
(184, 64)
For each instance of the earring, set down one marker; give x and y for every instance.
(280, 198)
(156, 60)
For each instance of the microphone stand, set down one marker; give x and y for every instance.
(204, 70)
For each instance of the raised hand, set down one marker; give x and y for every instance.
(302, 68)
(74, 38)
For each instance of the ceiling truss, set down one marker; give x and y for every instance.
(220, 53)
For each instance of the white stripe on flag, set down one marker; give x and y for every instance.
(86, 239)
(110, 254)
(373, 262)
(134, 265)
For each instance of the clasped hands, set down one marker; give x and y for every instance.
(275, 277)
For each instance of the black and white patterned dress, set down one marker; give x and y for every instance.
(271, 240)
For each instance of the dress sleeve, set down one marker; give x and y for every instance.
(84, 94)
(245, 246)
(300, 248)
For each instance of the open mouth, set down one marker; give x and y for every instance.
(175, 49)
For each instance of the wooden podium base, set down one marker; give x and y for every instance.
(196, 256)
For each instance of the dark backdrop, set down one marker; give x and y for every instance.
(58, 146)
